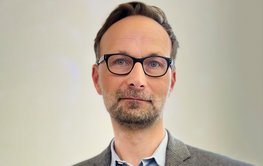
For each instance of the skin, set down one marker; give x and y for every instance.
(136, 95)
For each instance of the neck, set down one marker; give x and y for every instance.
(134, 145)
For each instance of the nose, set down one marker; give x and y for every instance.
(137, 78)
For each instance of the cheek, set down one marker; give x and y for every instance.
(108, 83)
(105, 84)
(160, 88)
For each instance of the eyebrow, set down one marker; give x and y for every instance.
(151, 54)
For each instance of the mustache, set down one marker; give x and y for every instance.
(132, 93)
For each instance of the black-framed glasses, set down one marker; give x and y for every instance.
(122, 64)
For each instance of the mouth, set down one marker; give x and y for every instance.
(134, 99)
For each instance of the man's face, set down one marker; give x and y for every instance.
(134, 100)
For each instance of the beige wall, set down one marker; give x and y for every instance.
(51, 115)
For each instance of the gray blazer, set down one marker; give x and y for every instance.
(177, 153)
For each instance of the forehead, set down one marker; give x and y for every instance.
(137, 35)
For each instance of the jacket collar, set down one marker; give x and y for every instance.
(104, 159)
(176, 151)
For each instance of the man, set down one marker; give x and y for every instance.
(135, 73)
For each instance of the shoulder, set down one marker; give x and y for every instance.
(183, 155)
(102, 159)
(204, 157)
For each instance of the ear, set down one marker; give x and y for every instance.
(95, 78)
(173, 80)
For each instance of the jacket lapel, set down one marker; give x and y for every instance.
(176, 152)
(104, 159)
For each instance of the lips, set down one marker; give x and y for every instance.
(135, 99)
(132, 95)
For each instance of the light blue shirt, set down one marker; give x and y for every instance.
(157, 159)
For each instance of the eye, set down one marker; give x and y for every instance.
(119, 61)
(153, 64)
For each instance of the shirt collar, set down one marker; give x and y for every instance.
(158, 155)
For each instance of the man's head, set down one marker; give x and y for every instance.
(134, 93)
(136, 8)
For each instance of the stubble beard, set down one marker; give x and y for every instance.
(135, 115)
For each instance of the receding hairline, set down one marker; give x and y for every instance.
(127, 20)
(136, 8)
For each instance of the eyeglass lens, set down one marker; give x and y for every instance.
(122, 64)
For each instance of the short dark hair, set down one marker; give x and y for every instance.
(136, 8)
